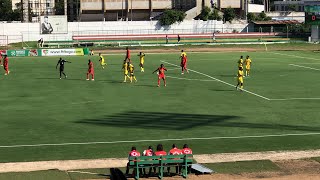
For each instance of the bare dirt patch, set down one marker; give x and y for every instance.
(299, 166)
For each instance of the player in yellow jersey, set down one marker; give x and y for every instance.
(125, 70)
(240, 62)
(183, 53)
(131, 70)
(240, 78)
(101, 60)
(141, 56)
(248, 65)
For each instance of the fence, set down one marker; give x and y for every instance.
(5, 40)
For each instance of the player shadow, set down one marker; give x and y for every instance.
(158, 120)
(178, 121)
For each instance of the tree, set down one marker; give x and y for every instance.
(215, 15)
(59, 7)
(292, 7)
(170, 17)
(229, 14)
(5, 10)
(263, 17)
(16, 14)
(205, 12)
(251, 17)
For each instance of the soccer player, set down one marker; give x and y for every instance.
(240, 78)
(91, 52)
(1, 59)
(125, 70)
(101, 60)
(187, 150)
(128, 55)
(248, 65)
(148, 152)
(184, 63)
(160, 152)
(61, 64)
(90, 70)
(133, 153)
(131, 70)
(6, 64)
(240, 62)
(175, 151)
(161, 74)
(141, 56)
(183, 53)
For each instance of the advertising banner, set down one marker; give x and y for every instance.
(22, 53)
(62, 52)
(57, 24)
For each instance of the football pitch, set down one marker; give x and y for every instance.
(45, 118)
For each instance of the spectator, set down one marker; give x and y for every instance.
(175, 151)
(179, 38)
(91, 52)
(149, 152)
(214, 37)
(133, 153)
(40, 42)
(167, 39)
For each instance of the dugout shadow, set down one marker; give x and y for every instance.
(176, 121)
(158, 120)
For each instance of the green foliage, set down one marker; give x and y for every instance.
(59, 7)
(215, 15)
(5, 10)
(292, 7)
(251, 17)
(263, 17)
(170, 17)
(297, 29)
(205, 12)
(229, 14)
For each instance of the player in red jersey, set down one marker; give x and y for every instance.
(133, 153)
(128, 55)
(148, 152)
(161, 74)
(159, 152)
(184, 63)
(6, 64)
(187, 150)
(175, 151)
(1, 59)
(90, 71)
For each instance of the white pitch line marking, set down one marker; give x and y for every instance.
(207, 80)
(294, 56)
(304, 67)
(162, 140)
(287, 99)
(83, 172)
(220, 81)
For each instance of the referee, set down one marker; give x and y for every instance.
(61, 64)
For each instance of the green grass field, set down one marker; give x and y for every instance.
(195, 108)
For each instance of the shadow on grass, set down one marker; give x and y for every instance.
(158, 120)
(176, 121)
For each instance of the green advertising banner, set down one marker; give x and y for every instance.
(23, 53)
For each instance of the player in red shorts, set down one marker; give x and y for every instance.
(1, 59)
(6, 64)
(90, 71)
(161, 74)
(128, 55)
(184, 63)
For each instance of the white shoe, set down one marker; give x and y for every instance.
(92, 79)
(87, 79)
(59, 78)
(182, 73)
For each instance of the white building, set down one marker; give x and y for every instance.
(37, 7)
(288, 5)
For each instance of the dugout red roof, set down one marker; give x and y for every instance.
(279, 22)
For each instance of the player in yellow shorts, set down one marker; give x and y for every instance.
(240, 78)
(248, 65)
(131, 70)
(125, 70)
(101, 60)
(141, 56)
(240, 62)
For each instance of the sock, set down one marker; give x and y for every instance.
(134, 78)
(142, 69)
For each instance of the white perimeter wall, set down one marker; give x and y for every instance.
(18, 32)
